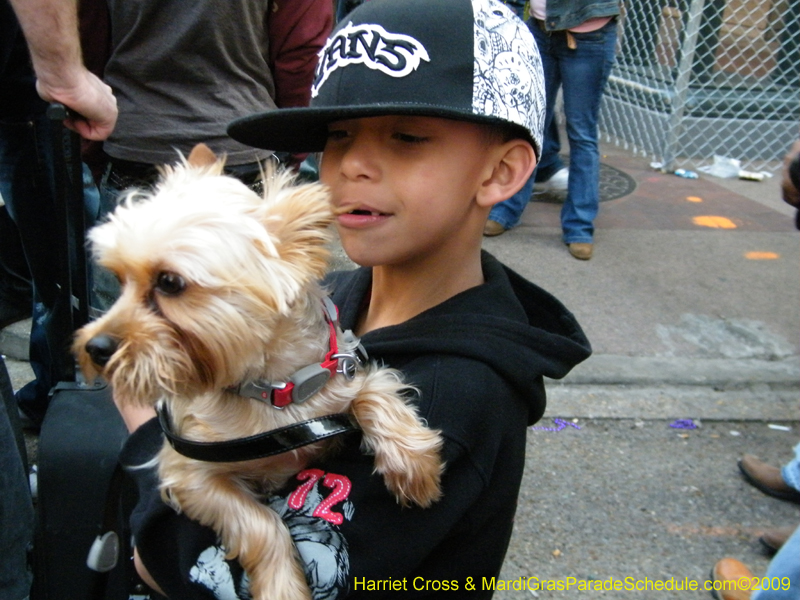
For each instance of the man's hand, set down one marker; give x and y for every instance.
(51, 30)
(89, 98)
(791, 195)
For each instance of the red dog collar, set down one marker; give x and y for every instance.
(309, 380)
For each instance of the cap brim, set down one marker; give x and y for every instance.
(306, 129)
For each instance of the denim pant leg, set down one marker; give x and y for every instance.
(583, 72)
(509, 212)
(105, 288)
(550, 163)
(785, 564)
(791, 470)
(26, 155)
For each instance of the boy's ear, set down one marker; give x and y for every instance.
(514, 162)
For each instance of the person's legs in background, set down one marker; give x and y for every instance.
(791, 470)
(507, 214)
(783, 575)
(551, 165)
(27, 191)
(785, 564)
(26, 156)
(583, 71)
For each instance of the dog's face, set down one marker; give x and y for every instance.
(209, 271)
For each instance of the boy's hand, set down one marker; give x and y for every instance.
(791, 195)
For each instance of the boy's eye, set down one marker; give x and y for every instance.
(409, 139)
(336, 134)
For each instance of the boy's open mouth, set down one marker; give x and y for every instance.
(366, 213)
(359, 212)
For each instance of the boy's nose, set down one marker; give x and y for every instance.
(359, 160)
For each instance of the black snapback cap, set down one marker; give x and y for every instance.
(470, 60)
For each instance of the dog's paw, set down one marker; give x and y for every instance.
(407, 453)
(412, 473)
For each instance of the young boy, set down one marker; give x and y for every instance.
(428, 112)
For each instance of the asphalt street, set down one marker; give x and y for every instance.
(692, 305)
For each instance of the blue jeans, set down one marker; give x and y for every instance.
(508, 212)
(791, 470)
(26, 183)
(784, 564)
(582, 74)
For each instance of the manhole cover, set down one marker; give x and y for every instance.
(613, 184)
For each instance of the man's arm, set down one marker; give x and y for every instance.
(51, 30)
(298, 29)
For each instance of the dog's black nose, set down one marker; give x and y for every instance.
(101, 348)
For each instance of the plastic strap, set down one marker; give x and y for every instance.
(260, 445)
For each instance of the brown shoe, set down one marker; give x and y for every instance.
(767, 478)
(493, 228)
(773, 539)
(726, 572)
(581, 250)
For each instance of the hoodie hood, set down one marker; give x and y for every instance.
(521, 331)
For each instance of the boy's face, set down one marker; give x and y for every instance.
(407, 185)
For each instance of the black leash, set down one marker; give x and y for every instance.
(260, 445)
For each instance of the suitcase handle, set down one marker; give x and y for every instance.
(60, 112)
(72, 309)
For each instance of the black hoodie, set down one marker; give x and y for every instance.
(478, 360)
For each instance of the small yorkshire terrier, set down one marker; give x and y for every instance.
(223, 325)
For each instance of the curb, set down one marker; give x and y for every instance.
(599, 369)
(607, 369)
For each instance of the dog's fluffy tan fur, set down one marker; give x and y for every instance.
(220, 287)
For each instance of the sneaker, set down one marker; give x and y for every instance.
(557, 183)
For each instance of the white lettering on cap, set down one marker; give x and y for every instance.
(394, 54)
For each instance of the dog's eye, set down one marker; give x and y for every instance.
(170, 284)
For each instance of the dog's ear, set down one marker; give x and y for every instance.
(201, 156)
(298, 219)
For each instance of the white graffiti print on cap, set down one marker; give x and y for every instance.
(394, 54)
(508, 79)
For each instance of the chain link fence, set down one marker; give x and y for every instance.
(698, 78)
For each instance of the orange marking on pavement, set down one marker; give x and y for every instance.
(694, 198)
(756, 255)
(714, 222)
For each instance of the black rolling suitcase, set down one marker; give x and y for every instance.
(84, 498)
